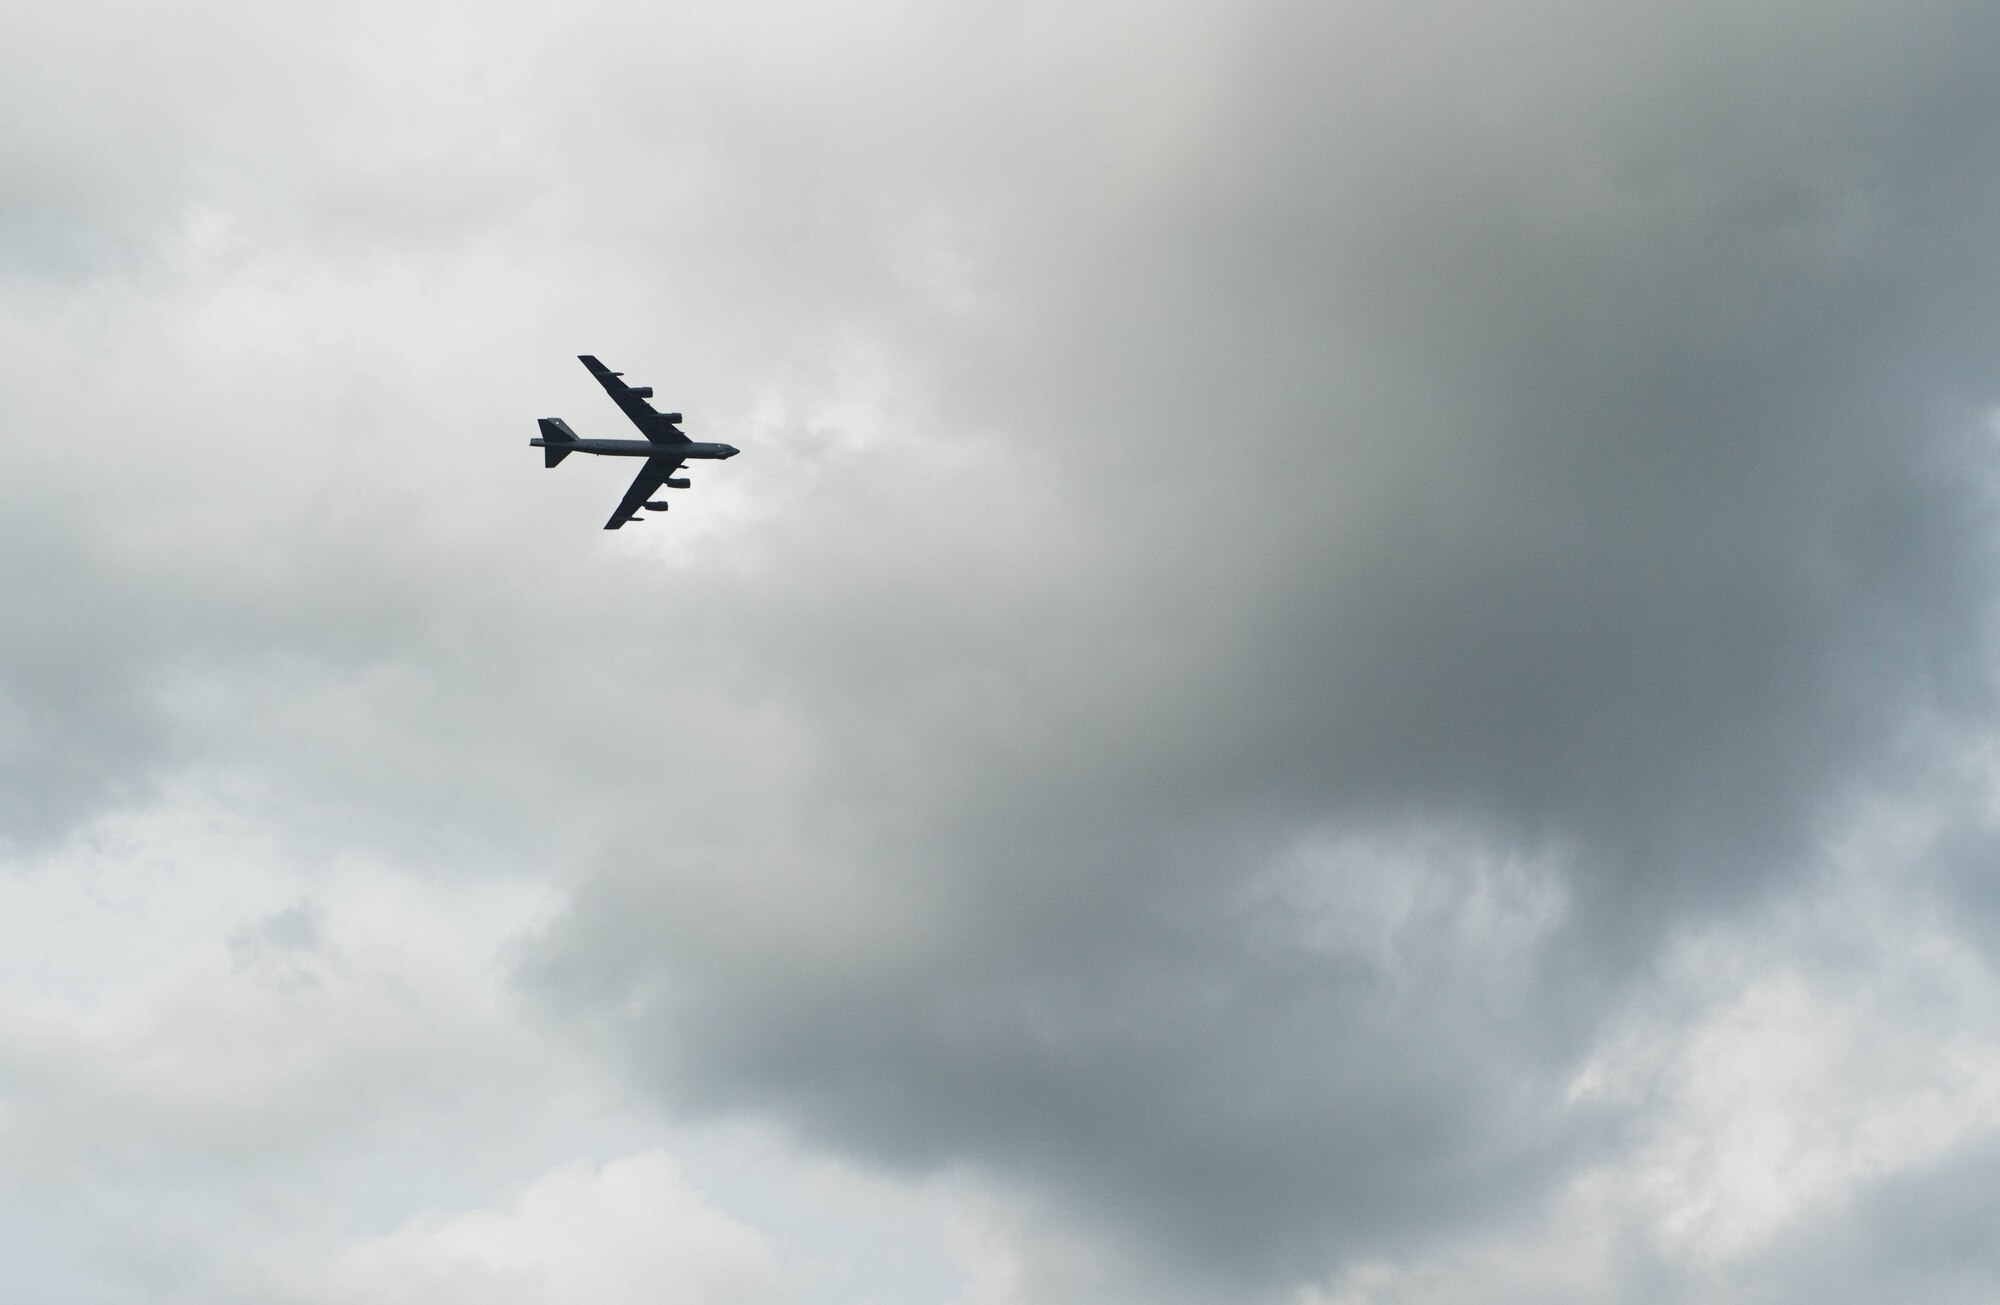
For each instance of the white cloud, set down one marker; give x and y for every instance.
(630, 1232)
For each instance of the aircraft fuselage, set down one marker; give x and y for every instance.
(643, 449)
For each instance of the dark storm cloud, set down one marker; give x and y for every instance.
(1562, 429)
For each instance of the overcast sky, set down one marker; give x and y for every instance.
(1350, 662)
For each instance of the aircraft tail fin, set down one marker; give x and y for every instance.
(555, 434)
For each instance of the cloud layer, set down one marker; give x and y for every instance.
(1292, 567)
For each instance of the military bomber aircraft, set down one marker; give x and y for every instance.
(664, 447)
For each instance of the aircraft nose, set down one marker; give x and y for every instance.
(733, 451)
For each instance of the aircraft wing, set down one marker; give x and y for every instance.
(644, 486)
(654, 425)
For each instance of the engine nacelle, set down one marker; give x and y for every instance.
(673, 417)
(658, 504)
(643, 391)
(678, 482)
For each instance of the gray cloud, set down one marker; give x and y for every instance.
(1287, 553)
(1926, 1232)
(1586, 451)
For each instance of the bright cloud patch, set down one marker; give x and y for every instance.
(629, 1233)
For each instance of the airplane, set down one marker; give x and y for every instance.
(664, 447)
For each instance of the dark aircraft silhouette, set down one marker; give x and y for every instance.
(664, 447)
